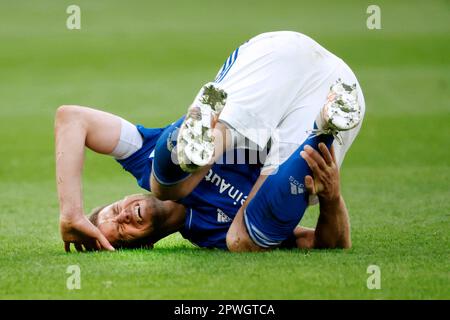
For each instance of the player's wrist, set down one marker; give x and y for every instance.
(330, 200)
(70, 216)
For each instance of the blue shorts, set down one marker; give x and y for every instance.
(207, 227)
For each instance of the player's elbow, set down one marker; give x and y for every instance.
(71, 116)
(63, 112)
(343, 246)
(67, 113)
(347, 244)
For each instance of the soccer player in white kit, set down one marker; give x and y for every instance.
(277, 86)
(277, 90)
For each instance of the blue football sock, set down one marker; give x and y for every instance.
(165, 168)
(280, 203)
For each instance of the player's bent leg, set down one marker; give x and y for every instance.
(169, 181)
(238, 239)
(277, 207)
(166, 169)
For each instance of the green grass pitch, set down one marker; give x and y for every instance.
(145, 60)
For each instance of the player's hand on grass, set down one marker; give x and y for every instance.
(83, 234)
(325, 179)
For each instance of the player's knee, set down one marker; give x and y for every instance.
(232, 241)
(237, 242)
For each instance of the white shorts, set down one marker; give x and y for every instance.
(277, 83)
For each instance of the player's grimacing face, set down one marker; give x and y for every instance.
(127, 219)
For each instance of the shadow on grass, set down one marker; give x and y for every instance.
(189, 250)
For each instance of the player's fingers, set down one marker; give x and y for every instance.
(67, 246)
(78, 247)
(104, 243)
(309, 184)
(326, 153)
(92, 245)
(316, 156)
(333, 155)
(88, 246)
(310, 161)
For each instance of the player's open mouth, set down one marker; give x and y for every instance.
(137, 213)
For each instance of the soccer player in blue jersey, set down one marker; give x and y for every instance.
(203, 217)
(209, 208)
(282, 92)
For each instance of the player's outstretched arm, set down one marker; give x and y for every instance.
(75, 128)
(333, 226)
